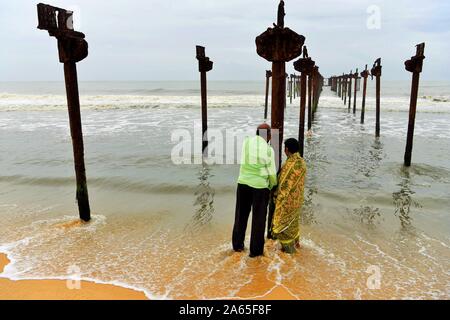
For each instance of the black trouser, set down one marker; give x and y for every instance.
(256, 200)
(269, 220)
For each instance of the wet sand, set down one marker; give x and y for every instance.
(57, 289)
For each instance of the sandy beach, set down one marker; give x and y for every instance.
(57, 289)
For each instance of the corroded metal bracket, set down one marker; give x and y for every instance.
(306, 64)
(415, 64)
(58, 22)
(376, 69)
(365, 74)
(279, 44)
(204, 64)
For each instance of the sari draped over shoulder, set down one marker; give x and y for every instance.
(289, 200)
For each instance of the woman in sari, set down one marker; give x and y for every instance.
(288, 199)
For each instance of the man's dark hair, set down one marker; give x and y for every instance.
(292, 145)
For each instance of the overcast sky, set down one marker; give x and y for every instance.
(155, 40)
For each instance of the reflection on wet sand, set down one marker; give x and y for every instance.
(367, 215)
(403, 201)
(204, 202)
(367, 163)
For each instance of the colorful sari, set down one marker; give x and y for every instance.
(288, 202)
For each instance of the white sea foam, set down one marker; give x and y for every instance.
(20, 102)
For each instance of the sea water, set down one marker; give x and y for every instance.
(370, 228)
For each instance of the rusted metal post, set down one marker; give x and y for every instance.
(294, 85)
(318, 89)
(266, 107)
(72, 48)
(350, 77)
(414, 65)
(290, 89)
(376, 72)
(304, 65)
(364, 75)
(345, 89)
(204, 65)
(355, 91)
(279, 45)
(310, 87)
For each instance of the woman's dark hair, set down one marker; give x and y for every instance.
(292, 145)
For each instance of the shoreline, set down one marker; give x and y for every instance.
(58, 290)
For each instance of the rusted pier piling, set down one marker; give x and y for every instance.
(279, 45)
(305, 66)
(355, 91)
(204, 66)
(72, 48)
(290, 88)
(376, 72)
(310, 99)
(317, 89)
(350, 78)
(345, 89)
(414, 65)
(364, 75)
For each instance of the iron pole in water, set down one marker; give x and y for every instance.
(203, 85)
(355, 91)
(345, 89)
(278, 105)
(350, 77)
(305, 66)
(309, 101)
(72, 48)
(413, 65)
(364, 75)
(301, 130)
(73, 103)
(376, 72)
(204, 65)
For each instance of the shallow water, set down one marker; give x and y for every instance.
(165, 229)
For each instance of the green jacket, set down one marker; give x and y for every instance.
(258, 168)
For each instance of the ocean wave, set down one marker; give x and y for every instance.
(115, 183)
(18, 102)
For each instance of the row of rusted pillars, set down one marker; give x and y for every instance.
(342, 86)
(308, 87)
(348, 85)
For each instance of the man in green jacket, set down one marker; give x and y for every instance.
(256, 178)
